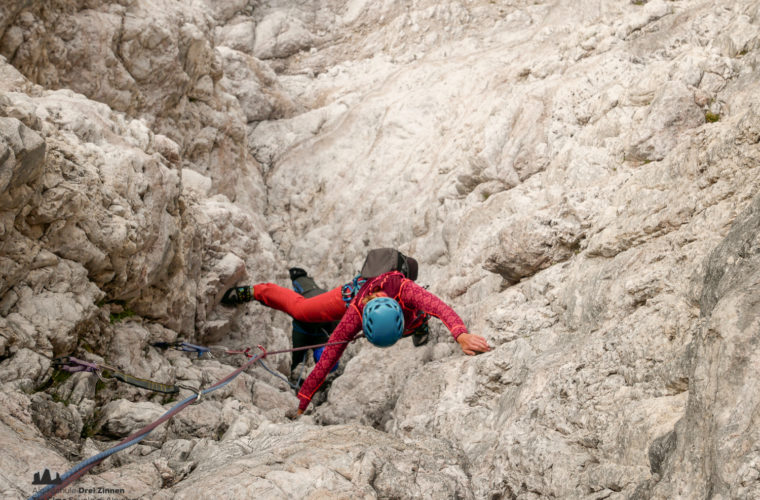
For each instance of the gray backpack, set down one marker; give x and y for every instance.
(383, 260)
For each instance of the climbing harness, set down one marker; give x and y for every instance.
(83, 467)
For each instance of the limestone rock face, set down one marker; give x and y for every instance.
(336, 462)
(579, 180)
(722, 387)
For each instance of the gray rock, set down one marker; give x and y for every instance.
(708, 456)
(121, 418)
(22, 154)
(55, 419)
(280, 35)
(337, 461)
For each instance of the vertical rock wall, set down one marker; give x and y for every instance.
(579, 180)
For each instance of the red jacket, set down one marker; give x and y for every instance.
(413, 299)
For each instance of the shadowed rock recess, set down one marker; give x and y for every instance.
(579, 180)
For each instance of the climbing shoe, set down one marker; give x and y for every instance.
(237, 295)
(296, 272)
(421, 335)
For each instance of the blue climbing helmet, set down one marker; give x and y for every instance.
(383, 321)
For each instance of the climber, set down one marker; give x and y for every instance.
(326, 307)
(383, 300)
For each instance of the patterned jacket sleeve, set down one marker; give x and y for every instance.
(414, 296)
(346, 330)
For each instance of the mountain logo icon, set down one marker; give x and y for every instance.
(45, 478)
